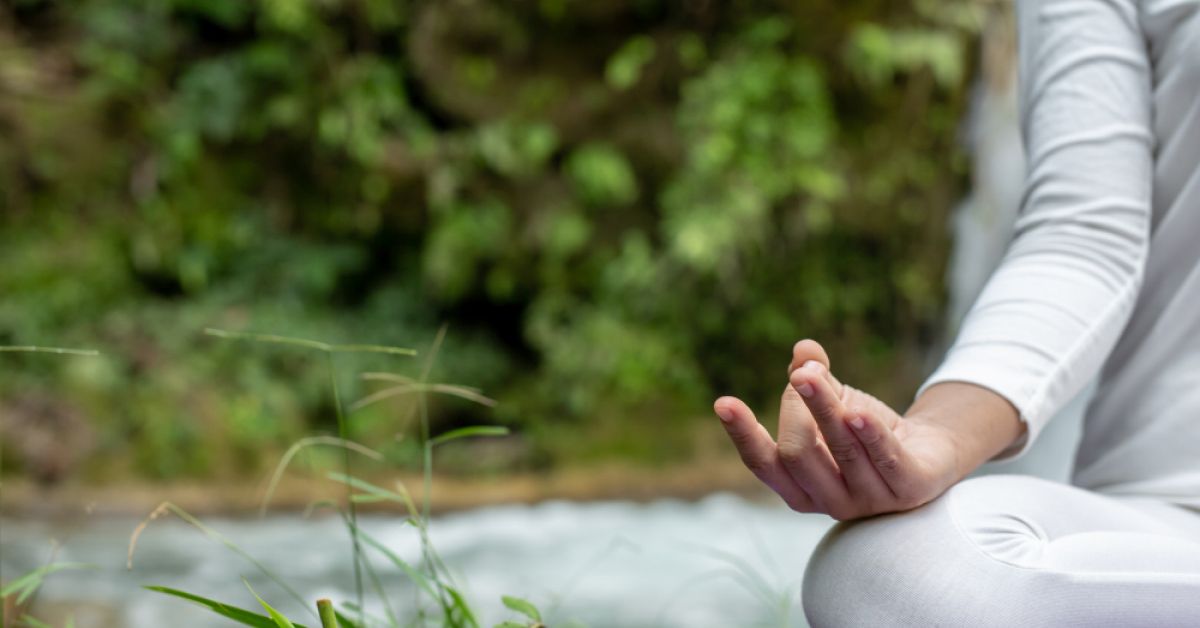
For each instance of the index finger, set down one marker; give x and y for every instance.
(862, 480)
(807, 351)
(759, 452)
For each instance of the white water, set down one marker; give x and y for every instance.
(602, 564)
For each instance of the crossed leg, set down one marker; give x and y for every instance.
(1011, 551)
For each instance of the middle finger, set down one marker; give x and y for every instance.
(806, 457)
(862, 480)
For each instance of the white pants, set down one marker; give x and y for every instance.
(1010, 550)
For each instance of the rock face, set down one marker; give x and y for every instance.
(47, 437)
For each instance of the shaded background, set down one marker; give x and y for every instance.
(619, 210)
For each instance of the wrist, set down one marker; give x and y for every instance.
(956, 464)
(976, 422)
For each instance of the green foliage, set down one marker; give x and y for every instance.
(625, 66)
(620, 213)
(758, 125)
(27, 585)
(601, 175)
(431, 576)
(278, 618)
(239, 615)
(523, 607)
(18, 595)
(878, 54)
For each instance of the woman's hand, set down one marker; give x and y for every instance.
(842, 452)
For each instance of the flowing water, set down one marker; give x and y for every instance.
(722, 561)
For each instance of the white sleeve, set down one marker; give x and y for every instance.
(1054, 309)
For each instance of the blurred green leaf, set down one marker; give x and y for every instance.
(468, 432)
(279, 619)
(521, 606)
(28, 584)
(625, 66)
(602, 176)
(239, 615)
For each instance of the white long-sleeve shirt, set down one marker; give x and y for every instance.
(1103, 274)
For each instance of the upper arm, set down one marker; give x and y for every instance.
(1085, 95)
(1055, 307)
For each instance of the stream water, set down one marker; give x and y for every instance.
(722, 561)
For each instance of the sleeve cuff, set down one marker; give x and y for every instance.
(988, 374)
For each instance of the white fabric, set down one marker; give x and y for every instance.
(1103, 274)
(1007, 550)
(1101, 279)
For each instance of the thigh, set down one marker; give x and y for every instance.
(1038, 524)
(1009, 550)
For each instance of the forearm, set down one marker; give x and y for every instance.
(980, 422)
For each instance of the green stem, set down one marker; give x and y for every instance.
(59, 350)
(328, 617)
(311, 344)
(343, 433)
(430, 558)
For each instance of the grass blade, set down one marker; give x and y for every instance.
(413, 573)
(453, 390)
(30, 582)
(276, 616)
(461, 613)
(330, 350)
(369, 619)
(468, 432)
(240, 615)
(523, 607)
(168, 507)
(345, 622)
(751, 578)
(311, 441)
(670, 599)
(307, 343)
(408, 500)
(379, 376)
(376, 493)
(344, 433)
(35, 576)
(58, 350)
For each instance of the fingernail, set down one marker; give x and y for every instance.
(725, 415)
(857, 423)
(814, 366)
(805, 389)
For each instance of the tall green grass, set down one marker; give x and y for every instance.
(24, 589)
(441, 600)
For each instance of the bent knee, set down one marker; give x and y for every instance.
(862, 572)
(915, 568)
